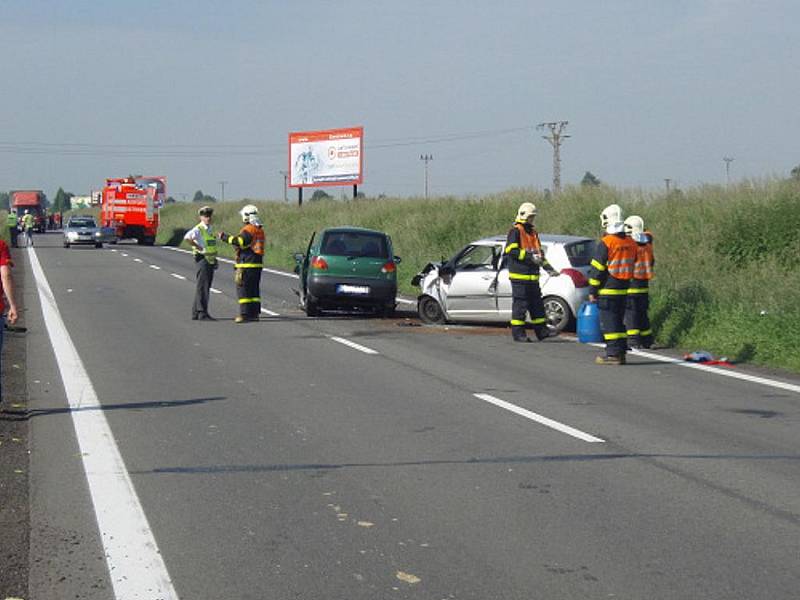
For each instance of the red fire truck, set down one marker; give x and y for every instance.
(33, 202)
(130, 205)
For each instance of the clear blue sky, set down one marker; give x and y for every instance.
(205, 91)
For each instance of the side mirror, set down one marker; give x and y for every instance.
(398, 260)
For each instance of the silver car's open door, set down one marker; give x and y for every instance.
(469, 287)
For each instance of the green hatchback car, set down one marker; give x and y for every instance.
(348, 268)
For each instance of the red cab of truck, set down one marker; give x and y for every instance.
(130, 205)
(32, 201)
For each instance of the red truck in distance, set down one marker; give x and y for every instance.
(33, 201)
(130, 206)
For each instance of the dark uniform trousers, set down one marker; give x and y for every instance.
(205, 277)
(637, 320)
(612, 323)
(527, 298)
(13, 232)
(248, 290)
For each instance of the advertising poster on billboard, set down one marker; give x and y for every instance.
(326, 158)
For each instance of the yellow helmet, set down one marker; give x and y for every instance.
(527, 210)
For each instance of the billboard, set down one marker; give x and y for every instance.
(326, 158)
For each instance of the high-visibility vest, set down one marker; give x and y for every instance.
(27, 220)
(643, 267)
(11, 219)
(209, 244)
(621, 257)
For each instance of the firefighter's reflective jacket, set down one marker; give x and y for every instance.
(249, 244)
(524, 253)
(612, 266)
(643, 267)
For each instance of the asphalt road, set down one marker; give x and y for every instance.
(281, 460)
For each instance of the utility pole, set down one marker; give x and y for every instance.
(285, 184)
(667, 181)
(222, 185)
(427, 158)
(555, 138)
(728, 160)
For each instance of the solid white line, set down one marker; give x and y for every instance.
(215, 291)
(156, 267)
(539, 418)
(135, 566)
(176, 276)
(791, 387)
(358, 347)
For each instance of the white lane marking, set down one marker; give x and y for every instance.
(113, 249)
(134, 562)
(269, 312)
(124, 253)
(215, 291)
(176, 276)
(353, 345)
(791, 387)
(137, 260)
(156, 267)
(577, 433)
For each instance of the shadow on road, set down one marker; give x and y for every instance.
(26, 414)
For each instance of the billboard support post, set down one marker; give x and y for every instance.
(355, 191)
(300, 196)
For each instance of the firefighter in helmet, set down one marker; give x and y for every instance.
(637, 321)
(609, 278)
(524, 259)
(249, 245)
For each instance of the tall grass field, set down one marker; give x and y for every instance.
(727, 258)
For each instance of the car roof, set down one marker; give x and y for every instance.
(350, 230)
(551, 238)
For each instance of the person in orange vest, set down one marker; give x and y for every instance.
(524, 259)
(249, 244)
(609, 278)
(640, 334)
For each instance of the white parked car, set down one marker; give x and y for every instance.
(473, 286)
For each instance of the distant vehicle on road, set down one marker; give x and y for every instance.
(131, 206)
(348, 267)
(473, 286)
(84, 230)
(32, 201)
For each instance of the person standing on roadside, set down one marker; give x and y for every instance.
(640, 334)
(12, 222)
(525, 258)
(609, 278)
(28, 222)
(204, 249)
(6, 291)
(249, 244)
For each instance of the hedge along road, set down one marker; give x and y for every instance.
(272, 460)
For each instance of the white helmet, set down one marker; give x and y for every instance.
(27, 211)
(611, 219)
(527, 210)
(634, 228)
(248, 211)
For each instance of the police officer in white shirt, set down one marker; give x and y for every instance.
(204, 246)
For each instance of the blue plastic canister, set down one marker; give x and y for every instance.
(589, 323)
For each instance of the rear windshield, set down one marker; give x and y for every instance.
(352, 243)
(580, 253)
(81, 223)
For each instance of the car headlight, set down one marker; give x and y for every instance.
(97, 234)
(72, 235)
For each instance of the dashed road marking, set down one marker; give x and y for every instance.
(577, 433)
(156, 267)
(177, 276)
(353, 345)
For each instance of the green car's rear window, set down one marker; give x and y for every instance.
(351, 243)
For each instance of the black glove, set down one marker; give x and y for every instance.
(221, 235)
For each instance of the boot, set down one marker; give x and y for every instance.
(609, 360)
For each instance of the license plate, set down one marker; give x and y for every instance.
(352, 289)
